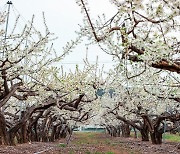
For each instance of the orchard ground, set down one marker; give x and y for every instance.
(96, 143)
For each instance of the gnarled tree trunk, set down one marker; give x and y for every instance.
(125, 130)
(156, 137)
(3, 131)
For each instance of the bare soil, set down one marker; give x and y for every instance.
(93, 143)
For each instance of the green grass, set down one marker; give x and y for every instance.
(166, 137)
(171, 137)
(91, 138)
(94, 139)
(86, 138)
(109, 152)
(71, 152)
(62, 145)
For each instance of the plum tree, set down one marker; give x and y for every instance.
(143, 39)
(33, 92)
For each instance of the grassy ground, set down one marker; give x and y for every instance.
(171, 137)
(166, 137)
(95, 143)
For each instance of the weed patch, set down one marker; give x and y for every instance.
(62, 145)
(110, 153)
(171, 137)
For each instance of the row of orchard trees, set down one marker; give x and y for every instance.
(152, 108)
(143, 38)
(38, 101)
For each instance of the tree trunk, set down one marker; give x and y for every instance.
(114, 131)
(3, 131)
(52, 137)
(144, 134)
(63, 132)
(11, 138)
(24, 133)
(118, 130)
(156, 137)
(125, 130)
(57, 135)
(135, 132)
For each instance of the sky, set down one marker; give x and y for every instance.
(63, 17)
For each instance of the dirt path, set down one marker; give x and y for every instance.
(92, 143)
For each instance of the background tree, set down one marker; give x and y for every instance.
(142, 38)
(140, 31)
(27, 84)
